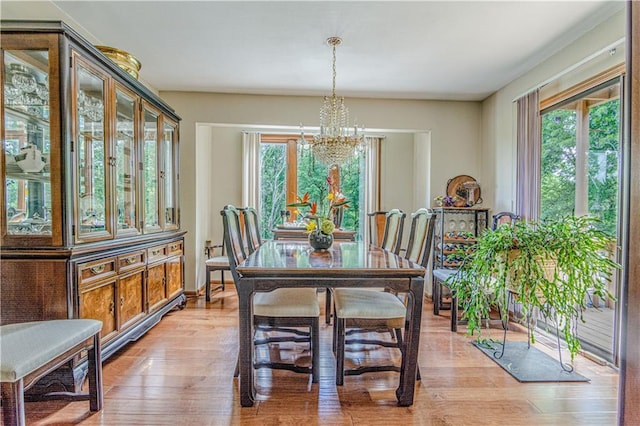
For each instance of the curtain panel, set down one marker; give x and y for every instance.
(371, 196)
(251, 169)
(529, 145)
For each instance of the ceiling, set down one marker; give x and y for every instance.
(391, 49)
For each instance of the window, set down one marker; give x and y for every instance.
(287, 170)
(581, 175)
(580, 156)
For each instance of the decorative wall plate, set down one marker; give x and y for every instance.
(455, 188)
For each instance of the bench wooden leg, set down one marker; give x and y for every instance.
(95, 375)
(13, 404)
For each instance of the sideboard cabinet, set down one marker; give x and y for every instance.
(89, 214)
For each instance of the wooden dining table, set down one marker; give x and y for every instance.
(278, 264)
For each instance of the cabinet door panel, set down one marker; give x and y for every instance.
(156, 282)
(98, 302)
(151, 173)
(125, 163)
(169, 175)
(30, 158)
(92, 155)
(131, 293)
(174, 276)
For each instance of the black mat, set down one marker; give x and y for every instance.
(528, 364)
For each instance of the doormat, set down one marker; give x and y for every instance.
(528, 364)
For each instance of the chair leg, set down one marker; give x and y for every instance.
(236, 372)
(315, 350)
(340, 328)
(435, 295)
(222, 279)
(207, 285)
(454, 312)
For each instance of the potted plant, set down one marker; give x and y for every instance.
(320, 225)
(548, 267)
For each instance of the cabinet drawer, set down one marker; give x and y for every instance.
(174, 248)
(93, 271)
(131, 261)
(157, 253)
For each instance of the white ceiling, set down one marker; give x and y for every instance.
(391, 49)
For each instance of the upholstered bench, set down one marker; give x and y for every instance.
(29, 351)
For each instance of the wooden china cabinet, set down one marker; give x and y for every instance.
(89, 220)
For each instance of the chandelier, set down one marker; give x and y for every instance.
(337, 142)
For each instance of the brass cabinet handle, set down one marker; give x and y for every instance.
(112, 308)
(121, 302)
(164, 282)
(130, 260)
(156, 252)
(97, 269)
(174, 247)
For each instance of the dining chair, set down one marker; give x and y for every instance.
(281, 310)
(504, 218)
(389, 239)
(362, 310)
(252, 228)
(212, 264)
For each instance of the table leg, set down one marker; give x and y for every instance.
(245, 321)
(408, 371)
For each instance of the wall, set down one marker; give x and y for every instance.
(452, 127)
(499, 111)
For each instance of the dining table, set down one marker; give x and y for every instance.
(286, 264)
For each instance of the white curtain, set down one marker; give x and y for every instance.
(251, 169)
(528, 157)
(371, 182)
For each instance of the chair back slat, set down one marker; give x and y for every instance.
(421, 236)
(393, 230)
(376, 227)
(252, 228)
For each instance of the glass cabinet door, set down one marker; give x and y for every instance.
(26, 146)
(169, 175)
(151, 172)
(91, 154)
(125, 163)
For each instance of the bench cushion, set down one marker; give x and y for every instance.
(25, 347)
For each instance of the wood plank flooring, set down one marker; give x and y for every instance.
(181, 373)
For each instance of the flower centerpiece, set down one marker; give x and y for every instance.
(320, 225)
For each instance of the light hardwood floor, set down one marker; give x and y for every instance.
(181, 373)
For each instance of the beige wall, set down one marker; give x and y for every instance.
(427, 143)
(499, 111)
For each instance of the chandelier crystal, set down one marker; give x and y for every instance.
(337, 142)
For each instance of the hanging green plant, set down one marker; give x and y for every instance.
(548, 267)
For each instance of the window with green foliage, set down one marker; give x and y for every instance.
(287, 171)
(581, 156)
